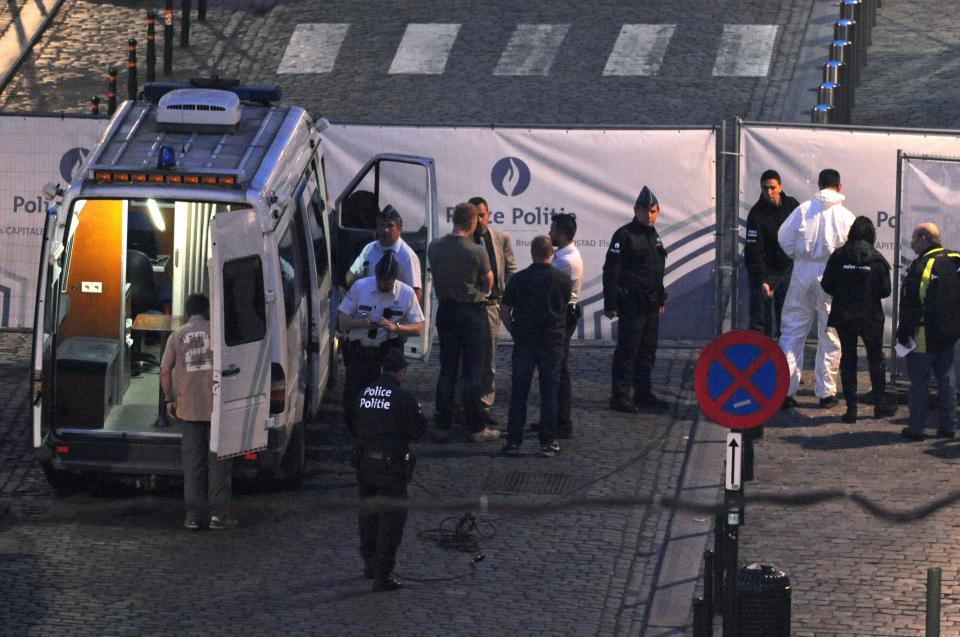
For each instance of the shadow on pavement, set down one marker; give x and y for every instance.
(847, 440)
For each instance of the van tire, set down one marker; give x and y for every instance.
(63, 482)
(294, 459)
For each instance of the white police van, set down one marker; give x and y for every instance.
(214, 191)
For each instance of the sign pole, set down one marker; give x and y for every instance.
(733, 502)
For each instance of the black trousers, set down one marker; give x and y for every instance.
(765, 311)
(565, 389)
(381, 529)
(542, 354)
(363, 367)
(872, 336)
(463, 332)
(636, 352)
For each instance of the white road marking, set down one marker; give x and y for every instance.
(313, 48)
(639, 49)
(424, 49)
(745, 50)
(742, 403)
(531, 49)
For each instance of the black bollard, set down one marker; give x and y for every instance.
(151, 46)
(202, 10)
(111, 90)
(698, 618)
(185, 23)
(94, 106)
(168, 38)
(131, 69)
(708, 585)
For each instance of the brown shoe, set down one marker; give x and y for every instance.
(485, 435)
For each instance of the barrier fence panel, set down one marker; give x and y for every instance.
(36, 151)
(929, 190)
(865, 157)
(525, 174)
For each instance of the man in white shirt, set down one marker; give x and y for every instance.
(389, 228)
(563, 228)
(809, 236)
(378, 313)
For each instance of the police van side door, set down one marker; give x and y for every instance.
(239, 296)
(409, 184)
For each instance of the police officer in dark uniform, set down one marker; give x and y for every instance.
(633, 292)
(388, 418)
(378, 313)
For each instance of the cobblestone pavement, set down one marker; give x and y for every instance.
(107, 563)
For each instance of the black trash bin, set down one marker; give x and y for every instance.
(763, 601)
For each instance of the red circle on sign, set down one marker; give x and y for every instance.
(716, 353)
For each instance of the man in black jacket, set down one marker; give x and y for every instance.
(930, 322)
(387, 419)
(768, 268)
(633, 292)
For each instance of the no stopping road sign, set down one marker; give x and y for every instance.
(741, 379)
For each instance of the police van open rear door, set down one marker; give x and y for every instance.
(409, 184)
(238, 329)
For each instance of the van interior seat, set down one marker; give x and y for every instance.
(86, 379)
(418, 243)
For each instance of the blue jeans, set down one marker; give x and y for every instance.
(463, 330)
(919, 366)
(206, 480)
(543, 354)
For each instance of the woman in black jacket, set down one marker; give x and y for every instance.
(858, 277)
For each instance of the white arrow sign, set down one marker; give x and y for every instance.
(734, 461)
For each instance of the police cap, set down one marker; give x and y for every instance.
(646, 199)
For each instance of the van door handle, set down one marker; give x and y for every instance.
(233, 370)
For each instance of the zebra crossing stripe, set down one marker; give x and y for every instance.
(424, 49)
(313, 48)
(745, 50)
(639, 49)
(531, 49)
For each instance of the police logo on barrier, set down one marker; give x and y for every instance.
(741, 379)
(71, 162)
(510, 176)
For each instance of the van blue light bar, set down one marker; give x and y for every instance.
(265, 94)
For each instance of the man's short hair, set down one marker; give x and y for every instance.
(476, 201)
(768, 174)
(198, 304)
(540, 248)
(389, 213)
(566, 224)
(829, 178)
(387, 266)
(464, 214)
(394, 361)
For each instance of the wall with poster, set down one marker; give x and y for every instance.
(866, 159)
(528, 174)
(36, 151)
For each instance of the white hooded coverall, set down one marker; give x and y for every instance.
(809, 236)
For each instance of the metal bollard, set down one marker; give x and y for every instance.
(185, 23)
(844, 29)
(94, 106)
(933, 602)
(151, 46)
(202, 10)
(842, 51)
(698, 618)
(709, 601)
(821, 114)
(131, 69)
(853, 10)
(839, 73)
(829, 93)
(168, 38)
(111, 90)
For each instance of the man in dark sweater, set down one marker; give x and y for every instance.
(534, 310)
(768, 268)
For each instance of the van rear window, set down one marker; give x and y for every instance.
(244, 306)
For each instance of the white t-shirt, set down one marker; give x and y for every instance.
(364, 300)
(568, 260)
(408, 264)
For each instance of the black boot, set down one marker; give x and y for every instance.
(883, 407)
(386, 583)
(851, 415)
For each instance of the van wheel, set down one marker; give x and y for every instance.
(64, 482)
(295, 459)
